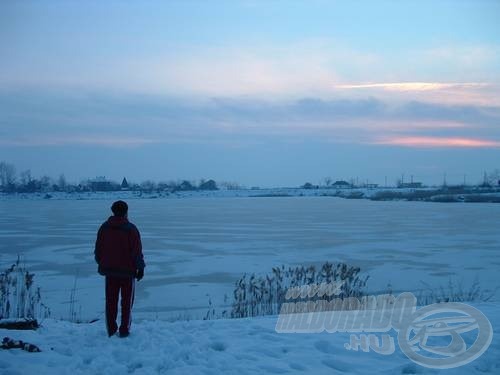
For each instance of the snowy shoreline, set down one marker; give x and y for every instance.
(476, 195)
(243, 346)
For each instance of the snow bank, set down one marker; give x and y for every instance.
(240, 346)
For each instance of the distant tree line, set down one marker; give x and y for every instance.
(24, 182)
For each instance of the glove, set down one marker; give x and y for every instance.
(139, 275)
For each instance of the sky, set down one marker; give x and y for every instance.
(262, 93)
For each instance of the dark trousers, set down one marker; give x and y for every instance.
(115, 286)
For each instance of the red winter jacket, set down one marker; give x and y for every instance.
(118, 248)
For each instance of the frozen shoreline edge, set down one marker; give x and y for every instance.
(356, 193)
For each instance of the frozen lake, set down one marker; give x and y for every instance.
(196, 247)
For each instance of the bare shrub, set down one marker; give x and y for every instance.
(18, 296)
(256, 295)
(454, 291)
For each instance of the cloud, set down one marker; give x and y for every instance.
(55, 140)
(321, 68)
(316, 68)
(453, 142)
(413, 86)
(99, 118)
(452, 93)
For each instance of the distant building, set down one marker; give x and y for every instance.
(341, 184)
(371, 186)
(208, 185)
(308, 185)
(100, 184)
(410, 185)
(185, 185)
(124, 184)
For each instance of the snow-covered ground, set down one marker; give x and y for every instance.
(238, 346)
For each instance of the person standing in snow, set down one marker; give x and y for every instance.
(118, 253)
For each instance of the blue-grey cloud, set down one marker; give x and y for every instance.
(66, 117)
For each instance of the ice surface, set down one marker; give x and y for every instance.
(196, 247)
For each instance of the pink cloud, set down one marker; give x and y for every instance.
(438, 142)
(467, 93)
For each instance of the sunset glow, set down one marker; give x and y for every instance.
(438, 142)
